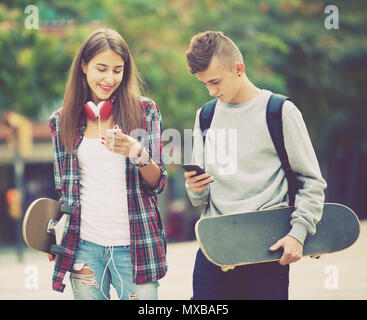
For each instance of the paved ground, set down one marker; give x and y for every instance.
(340, 275)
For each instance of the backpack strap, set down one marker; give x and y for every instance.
(206, 116)
(275, 126)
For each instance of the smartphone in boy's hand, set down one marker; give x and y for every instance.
(197, 184)
(193, 167)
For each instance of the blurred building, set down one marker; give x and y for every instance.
(38, 176)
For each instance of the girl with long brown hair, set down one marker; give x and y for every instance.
(108, 166)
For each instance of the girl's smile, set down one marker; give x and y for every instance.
(105, 88)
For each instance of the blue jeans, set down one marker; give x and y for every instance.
(97, 267)
(263, 281)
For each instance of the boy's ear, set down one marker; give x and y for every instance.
(240, 68)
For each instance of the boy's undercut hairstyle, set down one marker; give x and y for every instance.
(205, 45)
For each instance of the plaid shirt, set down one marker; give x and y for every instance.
(147, 236)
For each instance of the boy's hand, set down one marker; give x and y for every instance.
(292, 249)
(198, 183)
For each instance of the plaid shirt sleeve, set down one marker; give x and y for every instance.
(58, 150)
(66, 182)
(148, 242)
(154, 145)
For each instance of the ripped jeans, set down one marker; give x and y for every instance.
(97, 267)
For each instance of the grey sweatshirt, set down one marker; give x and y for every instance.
(241, 156)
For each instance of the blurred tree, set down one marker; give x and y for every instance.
(154, 31)
(34, 62)
(285, 43)
(288, 49)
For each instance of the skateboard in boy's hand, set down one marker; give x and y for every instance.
(238, 239)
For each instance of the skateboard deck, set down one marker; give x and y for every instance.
(239, 239)
(44, 224)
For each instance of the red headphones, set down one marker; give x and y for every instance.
(102, 110)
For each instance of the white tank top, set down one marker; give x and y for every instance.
(103, 196)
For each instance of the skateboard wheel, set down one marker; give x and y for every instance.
(57, 249)
(65, 208)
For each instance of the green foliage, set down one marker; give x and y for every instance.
(286, 48)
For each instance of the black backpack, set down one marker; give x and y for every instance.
(275, 126)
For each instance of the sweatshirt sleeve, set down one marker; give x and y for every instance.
(310, 197)
(198, 198)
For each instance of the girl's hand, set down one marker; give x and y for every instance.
(122, 144)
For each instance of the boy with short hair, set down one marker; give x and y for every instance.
(253, 179)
